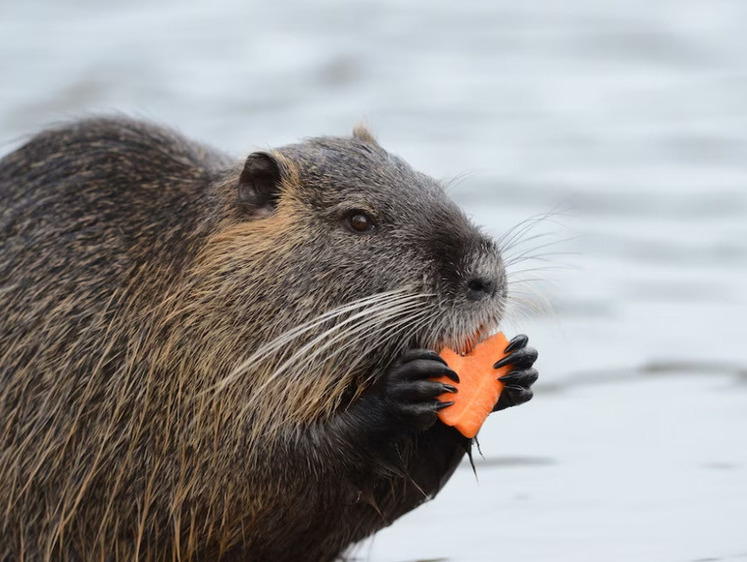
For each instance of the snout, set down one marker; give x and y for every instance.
(481, 287)
(468, 268)
(471, 286)
(485, 275)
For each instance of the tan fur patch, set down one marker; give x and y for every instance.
(361, 132)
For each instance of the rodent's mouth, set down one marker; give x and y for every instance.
(465, 343)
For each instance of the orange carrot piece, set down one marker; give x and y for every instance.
(478, 389)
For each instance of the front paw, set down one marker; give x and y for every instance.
(409, 393)
(518, 382)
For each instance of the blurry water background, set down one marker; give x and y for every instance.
(625, 120)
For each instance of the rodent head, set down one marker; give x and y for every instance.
(340, 226)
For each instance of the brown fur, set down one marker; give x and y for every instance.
(134, 422)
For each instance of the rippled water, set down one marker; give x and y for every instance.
(626, 121)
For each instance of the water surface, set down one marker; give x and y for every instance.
(626, 120)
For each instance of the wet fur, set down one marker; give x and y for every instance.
(134, 421)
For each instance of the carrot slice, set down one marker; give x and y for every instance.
(478, 389)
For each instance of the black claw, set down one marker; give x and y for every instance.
(447, 372)
(424, 369)
(503, 362)
(519, 393)
(521, 358)
(449, 387)
(444, 371)
(437, 357)
(526, 357)
(441, 405)
(513, 396)
(520, 378)
(517, 342)
(510, 377)
(451, 374)
(415, 354)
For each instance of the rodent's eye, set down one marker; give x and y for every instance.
(360, 222)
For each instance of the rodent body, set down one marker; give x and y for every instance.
(199, 357)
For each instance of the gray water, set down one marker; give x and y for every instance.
(622, 123)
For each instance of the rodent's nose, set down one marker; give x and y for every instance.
(480, 287)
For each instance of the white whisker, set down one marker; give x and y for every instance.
(517, 232)
(284, 339)
(375, 318)
(379, 312)
(528, 255)
(389, 332)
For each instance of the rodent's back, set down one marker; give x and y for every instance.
(133, 188)
(118, 198)
(99, 218)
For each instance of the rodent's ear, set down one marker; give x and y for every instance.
(259, 184)
(361, 133)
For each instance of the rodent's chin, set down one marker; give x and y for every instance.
(465, 342)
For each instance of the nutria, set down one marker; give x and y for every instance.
(209, 360)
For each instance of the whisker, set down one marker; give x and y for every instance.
(417, 321)
(364, 329)
(515, 275)
(422, 324)
(378, 315)
(507, 241)
(530, 300)
(504, 241)
(526, 280)
(379, 311)
(380, 321)
(524, 241)
(314, 322)
(520, 245)
(527, 254)
(432, 327)
(284, 339)
(389, 332)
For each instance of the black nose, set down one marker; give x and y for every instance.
(479, 288)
